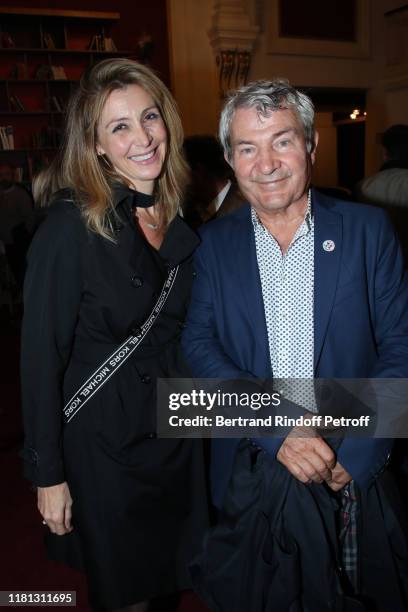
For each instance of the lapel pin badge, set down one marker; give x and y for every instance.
(328, 245)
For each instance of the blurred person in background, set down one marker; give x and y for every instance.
(213, 191)
(16, 221)
(388, 188)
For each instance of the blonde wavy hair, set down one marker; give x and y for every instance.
(77, 165)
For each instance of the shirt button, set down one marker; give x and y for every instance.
(151, 435)
(146, 379)
(136, 281)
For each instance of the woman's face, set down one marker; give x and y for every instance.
(132, 135)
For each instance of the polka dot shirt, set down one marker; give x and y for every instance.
(288, 296)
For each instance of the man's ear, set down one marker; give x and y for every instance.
(315, 143)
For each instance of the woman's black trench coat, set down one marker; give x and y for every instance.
(139, 502)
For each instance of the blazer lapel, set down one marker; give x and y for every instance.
(327, 257)
(250, 290)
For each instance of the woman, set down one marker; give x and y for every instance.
(95, 270)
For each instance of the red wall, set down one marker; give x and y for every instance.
(136, 17)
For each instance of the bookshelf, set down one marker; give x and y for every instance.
(43, 53)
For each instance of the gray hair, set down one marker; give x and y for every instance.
(267, 96)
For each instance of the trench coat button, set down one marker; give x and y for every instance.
(118, 227)
(136, 281)
(151, 435)
(146, 379)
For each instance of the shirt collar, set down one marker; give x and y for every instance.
(307, 223)
(220, 197)
(304, 227)
(122, 194)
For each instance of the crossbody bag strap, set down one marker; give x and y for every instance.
(112, 363)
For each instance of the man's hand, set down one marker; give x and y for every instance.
(307, 456)
(54, 504)
(339, 478)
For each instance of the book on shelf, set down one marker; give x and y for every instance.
(95, 43)
(47, 138)
(43, 72)
(110, 45)
(58, 73)
(16, 103)
(6, 137)
(100, 42)
(18, 174)
(55, 104)
(3, 138)
(19, 71)
(48, 41)
(10, 136)
(6, 41)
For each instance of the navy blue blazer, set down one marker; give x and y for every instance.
(360, 315)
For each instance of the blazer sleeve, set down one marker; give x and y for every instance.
(366, 459)
(52, 295)
(201, 344)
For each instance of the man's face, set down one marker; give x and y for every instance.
(270, 159)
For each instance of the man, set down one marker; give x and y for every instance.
(213, 191)
(389, 187)
(309, 287)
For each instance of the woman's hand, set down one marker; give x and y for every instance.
(54, 504)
